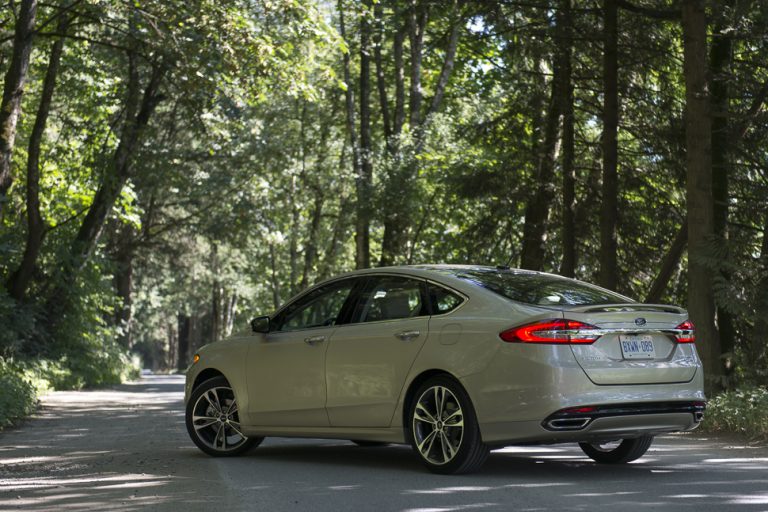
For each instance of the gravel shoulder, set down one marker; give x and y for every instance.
(126, 449)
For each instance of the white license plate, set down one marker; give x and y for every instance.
(637, 346)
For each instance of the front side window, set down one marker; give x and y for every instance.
(319, 308)
(390, 298)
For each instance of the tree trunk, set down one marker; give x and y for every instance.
(380, 81)
(757, 349)
(398, 196)
(139, 109)
(229, 314)
(310, 249)
(720, 72)
(698, 132)
(417, 22)
(668, 266)
(564, 31)
(124, 290)
(19, 280)
(275, 280)
(13, 89)
(182, 355)
(537, 209)
(608, 276)
(216, 295)
(365, 176)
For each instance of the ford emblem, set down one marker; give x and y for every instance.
(639, 321)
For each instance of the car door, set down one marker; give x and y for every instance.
(286, 368)
(369, 358)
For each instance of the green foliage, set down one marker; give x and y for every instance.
(744, 411)
(18, 396)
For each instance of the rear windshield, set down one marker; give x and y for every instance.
(535, 288)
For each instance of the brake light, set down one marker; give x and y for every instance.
(552, 331)
(687, 332)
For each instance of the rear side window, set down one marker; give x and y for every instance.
(443, 300)
(539, 289)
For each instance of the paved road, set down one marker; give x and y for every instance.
(126, 449)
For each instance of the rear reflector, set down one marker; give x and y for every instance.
(552, 331)
(687, 332)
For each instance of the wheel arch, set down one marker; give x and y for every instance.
(206, 374)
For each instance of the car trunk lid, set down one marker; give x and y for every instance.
(637, 344)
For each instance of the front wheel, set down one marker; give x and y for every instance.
(443, 428)
(213, 421)
(617, 452)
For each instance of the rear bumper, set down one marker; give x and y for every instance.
(524, 387)
(600, 429)
(575, 419)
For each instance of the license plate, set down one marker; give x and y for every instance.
(637, 346)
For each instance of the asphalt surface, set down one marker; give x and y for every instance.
(126, 449)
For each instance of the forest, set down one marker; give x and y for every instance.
(170, 169)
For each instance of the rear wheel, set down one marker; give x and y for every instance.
(443, 428)
(617, 452)
(213, 420)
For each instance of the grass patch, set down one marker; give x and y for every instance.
(744, 411)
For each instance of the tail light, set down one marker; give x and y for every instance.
(552, 331)
(686, 332)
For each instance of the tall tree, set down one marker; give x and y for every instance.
(608, 275)
(365, 177)
(564, 24)
(19, 280)
(698, 137)
(13, 88)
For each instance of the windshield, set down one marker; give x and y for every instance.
(535, 288)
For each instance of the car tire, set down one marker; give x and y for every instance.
(626, 451)
(443, 429)
(213, 421)
(369, 444)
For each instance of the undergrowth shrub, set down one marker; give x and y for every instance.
(18, 396)
(743, 411)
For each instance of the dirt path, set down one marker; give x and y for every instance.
(126, 449)
(119, 449)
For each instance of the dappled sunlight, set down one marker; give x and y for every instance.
(127, 449)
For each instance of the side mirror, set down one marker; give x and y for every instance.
(260, 324)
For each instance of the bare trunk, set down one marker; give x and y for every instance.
(669, 265)
(229, 314)
(758, 349)
(380, 81)
(216, 295)
(537, 209)
(124, 289)
(182, 355)
(720, 72)
(19, 281)
(568, 233)
(417, 22)
(13, 89)
(310, 250)
(365, 176)
(609, 210)
(275, 280)
(698, 131)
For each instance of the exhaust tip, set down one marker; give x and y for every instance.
(568, 423)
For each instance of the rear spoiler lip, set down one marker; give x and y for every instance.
(629, 306)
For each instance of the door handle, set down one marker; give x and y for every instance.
(314, 339)
(407, 335)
